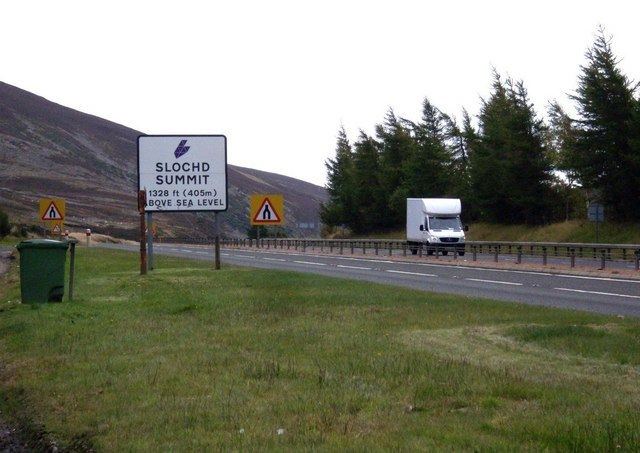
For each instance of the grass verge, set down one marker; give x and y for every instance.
(192, 359)
(571, 231)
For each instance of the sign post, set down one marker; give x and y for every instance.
(150, 241)
(142, 202)
(595, 213)
(216, 219)
(184, 173)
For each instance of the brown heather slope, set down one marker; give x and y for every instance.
(48, 150)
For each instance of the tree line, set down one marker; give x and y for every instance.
(511, 166)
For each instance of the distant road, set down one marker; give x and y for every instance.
(615, 296)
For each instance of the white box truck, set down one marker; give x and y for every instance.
(434, 224)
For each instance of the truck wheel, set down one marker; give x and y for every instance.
(414, 251)
(445, 252)
(460, 253)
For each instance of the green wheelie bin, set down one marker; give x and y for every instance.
(42, 267)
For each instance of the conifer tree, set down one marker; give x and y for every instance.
(396, 145)
(368, 193)
(561, 140)
(339, 209)
(427, 169)
(510, 169)
(606, 157)
(463, 139)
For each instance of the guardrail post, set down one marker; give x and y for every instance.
(341, 247)
(322, 246)
(496, 252)
(603, 258)
(420, 251)
(519, 260)
(573, 257)
(364, 248)
(474, 252)
(404, 249)
(455, 253)
(375, 245)
(544, 256)
(437, 252)
(637, 260)
(304, 246)
(390, 250)
(351, 243)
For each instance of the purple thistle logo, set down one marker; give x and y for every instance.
(182, 149)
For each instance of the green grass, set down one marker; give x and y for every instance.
(192, 359)
(572, 231)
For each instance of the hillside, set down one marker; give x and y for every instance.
(50, 150)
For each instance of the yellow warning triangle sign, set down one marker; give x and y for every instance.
(52, 212)
(266, 213)
(57, 229)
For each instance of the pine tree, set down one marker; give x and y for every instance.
(368, 193)
(463, 139)
(606, 156)
(396, 145)
(339, 210)
(427, 169)
(561, 140)
(510, 169)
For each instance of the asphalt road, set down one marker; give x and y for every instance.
(615, 296)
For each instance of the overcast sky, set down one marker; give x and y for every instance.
(279, 77)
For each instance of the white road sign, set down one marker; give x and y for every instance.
(183, 172)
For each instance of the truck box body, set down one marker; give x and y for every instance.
(435, 222)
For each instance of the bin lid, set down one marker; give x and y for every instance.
(42, 244)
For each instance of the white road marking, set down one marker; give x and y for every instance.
(310, 262)
(186, 250)
(361, 259)
(224, 254)
(597, 292)
(410, 273)
(243, 256)
(354, 267)
(273, 259)
(493, 281)
(604, 279)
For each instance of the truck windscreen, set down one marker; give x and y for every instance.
(444, 223)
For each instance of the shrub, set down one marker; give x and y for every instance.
(5, 226)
